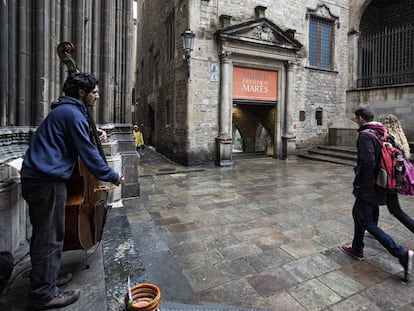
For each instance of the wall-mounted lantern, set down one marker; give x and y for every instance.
(188, 43)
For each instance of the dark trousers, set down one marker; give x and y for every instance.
(46, 200)
(364, 214)
(395, 209)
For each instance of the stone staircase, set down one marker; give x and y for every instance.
(335, 154)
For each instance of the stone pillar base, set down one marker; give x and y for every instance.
(130, 186)
(9, 217)
(224, 151)
(288, 146)
(116, 163)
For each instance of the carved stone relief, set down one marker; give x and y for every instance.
(264, 33)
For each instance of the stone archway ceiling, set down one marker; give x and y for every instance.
(260, 31)
(384, 3)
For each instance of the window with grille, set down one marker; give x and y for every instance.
(386, 57)
(170, 29)
(321, 42)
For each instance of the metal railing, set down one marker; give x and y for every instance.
(386, 57)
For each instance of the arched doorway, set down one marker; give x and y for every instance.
(253, 128)
(382, 59)
(385, 44)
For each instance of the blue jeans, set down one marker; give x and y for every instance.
(395, 209)
(46, 200)
(364, 214)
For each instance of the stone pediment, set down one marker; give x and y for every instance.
(260, 31)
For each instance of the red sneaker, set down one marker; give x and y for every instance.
(347, 249)
(407, 262)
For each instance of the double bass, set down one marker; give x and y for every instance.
(87, 197)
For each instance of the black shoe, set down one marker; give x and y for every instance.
(407, 262)
(61, 299)
(64, 279)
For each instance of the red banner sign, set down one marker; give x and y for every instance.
(255, 84)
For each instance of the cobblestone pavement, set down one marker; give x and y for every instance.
(262, 234)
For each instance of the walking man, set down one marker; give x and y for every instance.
(368, 196)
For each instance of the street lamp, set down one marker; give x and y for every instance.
(188, 43)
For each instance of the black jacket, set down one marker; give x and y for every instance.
(367, 165)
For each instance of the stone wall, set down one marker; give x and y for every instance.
(14, 225)
(398, 100)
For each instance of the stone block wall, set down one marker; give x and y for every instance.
(14, 228)
(10, 230)
(397, 100)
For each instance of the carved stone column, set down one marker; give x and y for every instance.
(224, 139)
(288, 138)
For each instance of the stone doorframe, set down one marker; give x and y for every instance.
(258, 44)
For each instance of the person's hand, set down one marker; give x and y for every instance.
(102, 135)
(120, 180)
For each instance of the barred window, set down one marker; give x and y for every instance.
(170, 28)
(321, 35)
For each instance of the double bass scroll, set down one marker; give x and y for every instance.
(86, 204)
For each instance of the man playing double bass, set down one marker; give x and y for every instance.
(60, 139)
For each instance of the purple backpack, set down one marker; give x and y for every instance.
(407, 183)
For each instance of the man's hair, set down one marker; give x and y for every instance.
(79, 81)
(365, 112)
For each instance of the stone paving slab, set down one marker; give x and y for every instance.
(88, 275)
(266, 233)
(261, 235)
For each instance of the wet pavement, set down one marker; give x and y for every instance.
(260, 235)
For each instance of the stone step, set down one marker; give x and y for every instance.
(335, 154)
(249, 155)
(344, 149)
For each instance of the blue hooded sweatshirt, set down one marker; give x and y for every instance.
(60, 138)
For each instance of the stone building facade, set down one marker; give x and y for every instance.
(306, 52)
(103, 33)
